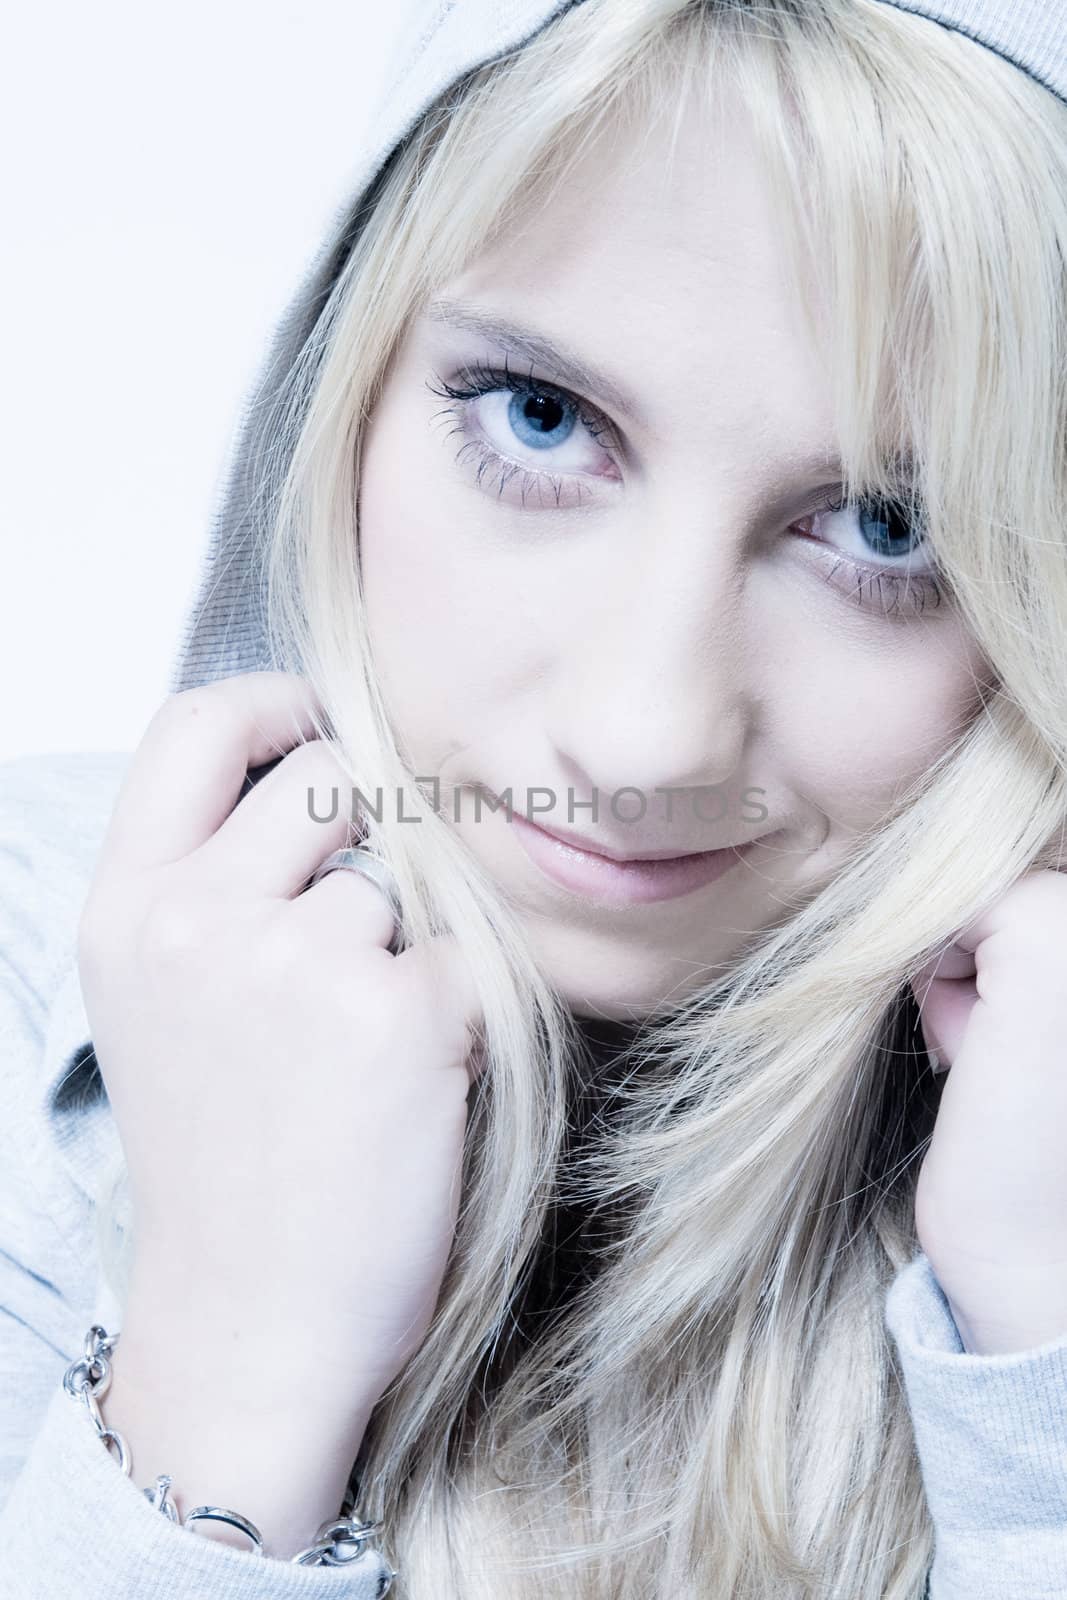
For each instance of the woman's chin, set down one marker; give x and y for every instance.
(601, 981)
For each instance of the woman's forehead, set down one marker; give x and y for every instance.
(657, 283)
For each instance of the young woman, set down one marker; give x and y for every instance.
(646, 542)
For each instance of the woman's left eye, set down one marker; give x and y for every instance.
(527, 437)
(875, 552)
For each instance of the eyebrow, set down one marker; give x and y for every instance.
(521, 340)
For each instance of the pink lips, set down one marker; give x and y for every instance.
(622, 882)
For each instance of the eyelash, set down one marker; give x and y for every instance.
(887, 591)
(918, 590)
(479, 379)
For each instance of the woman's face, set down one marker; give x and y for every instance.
(611, 575)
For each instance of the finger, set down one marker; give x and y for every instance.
(945, 1006)
(1025, 891)
(186, 774)
(442, 962)
(285, 828)
(948, 963)
(351, 906)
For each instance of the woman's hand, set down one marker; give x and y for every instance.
(991, 1203)
(291, 1098)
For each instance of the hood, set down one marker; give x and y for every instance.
(224, 631)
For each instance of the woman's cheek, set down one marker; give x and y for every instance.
(442, 633)
(866, 723)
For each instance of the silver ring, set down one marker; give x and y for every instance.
(233, 1518)
(363, 860)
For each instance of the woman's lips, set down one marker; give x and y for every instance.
(622, 882)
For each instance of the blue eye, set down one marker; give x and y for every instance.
(502, 414)
(541, 420)
(902, 578)
(873, 526)
(886, 528)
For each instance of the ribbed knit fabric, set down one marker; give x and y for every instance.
(1031, 34)
(992, 1439)
(76, 1528)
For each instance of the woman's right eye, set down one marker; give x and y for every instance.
(520, 430)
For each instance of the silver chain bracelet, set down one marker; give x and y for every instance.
(336, 1543)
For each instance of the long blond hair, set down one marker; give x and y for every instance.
(708, 1405)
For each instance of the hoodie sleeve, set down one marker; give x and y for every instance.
(73, 1526)
(991, 1434)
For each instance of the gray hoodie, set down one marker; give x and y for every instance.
(991, 1431)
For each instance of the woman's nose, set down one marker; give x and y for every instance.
(654, 691)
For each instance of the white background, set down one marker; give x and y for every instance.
(166, 177)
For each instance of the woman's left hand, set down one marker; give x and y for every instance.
(991, 1202)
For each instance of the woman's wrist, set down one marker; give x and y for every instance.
(243, 1343)
(234, 1424)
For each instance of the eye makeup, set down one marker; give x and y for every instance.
(544, 413)
(914, 586)
(887, 592)
(540, 408)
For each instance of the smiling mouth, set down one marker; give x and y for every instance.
(630, 881)
(624, 858)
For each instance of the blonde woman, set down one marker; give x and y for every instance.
(643, 565)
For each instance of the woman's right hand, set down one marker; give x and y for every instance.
(290, 1097)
